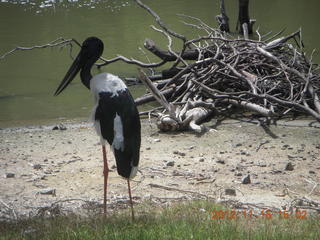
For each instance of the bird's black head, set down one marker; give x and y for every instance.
(91, 51)
(92, 48)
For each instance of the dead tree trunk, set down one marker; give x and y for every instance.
(244, 20)
(223, 19)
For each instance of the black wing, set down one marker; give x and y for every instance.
(123, 105)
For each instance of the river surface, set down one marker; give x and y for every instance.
(28, 79)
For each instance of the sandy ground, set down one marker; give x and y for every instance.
(41, 168)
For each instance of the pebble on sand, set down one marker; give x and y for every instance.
(246, 180)
(9, 175)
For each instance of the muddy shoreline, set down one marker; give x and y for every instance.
(41, 167)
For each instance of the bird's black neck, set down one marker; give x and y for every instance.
(85, 73)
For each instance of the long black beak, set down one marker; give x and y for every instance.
(72, 72)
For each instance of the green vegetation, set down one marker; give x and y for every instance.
(192, 220)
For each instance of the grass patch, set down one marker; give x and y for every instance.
(191, 220)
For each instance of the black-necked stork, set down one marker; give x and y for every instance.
(115, 114)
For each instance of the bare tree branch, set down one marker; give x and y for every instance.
(59, 42)
(159, 21)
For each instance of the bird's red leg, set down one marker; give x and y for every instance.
(131, 203)
(105, 173)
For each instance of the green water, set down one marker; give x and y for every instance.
(28, 79)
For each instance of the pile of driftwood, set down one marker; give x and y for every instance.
(215, 74)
